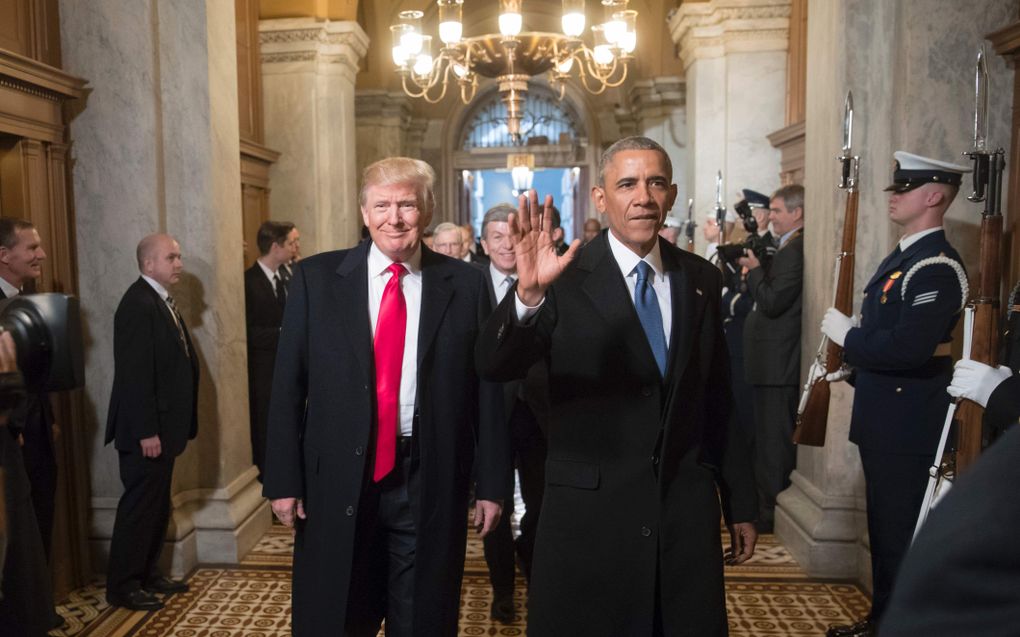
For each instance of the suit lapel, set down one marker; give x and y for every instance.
(892, 263)
(436, 292)
(611, 299)
(350, 292)
(687, 305)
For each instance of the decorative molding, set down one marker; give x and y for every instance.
(791, 144)
(372, 105)
(1006, 41)
(655, 97)
(38, 79)
(719, 27)
(306, 40)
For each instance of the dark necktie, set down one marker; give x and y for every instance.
(179, 322)
(389, 358)
(281, 289)
(647, 305)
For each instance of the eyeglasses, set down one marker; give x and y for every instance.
(443, 246)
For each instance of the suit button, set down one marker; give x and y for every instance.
(359, 451)
(349, 511)
(499, 332)
(646, 391)
(645, 531)
(899, 390)
(865, 295)
(655, 460)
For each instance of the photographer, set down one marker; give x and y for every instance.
(26, 598)
(772, 348)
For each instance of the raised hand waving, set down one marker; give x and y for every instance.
(538, 265)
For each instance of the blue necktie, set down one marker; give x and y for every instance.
(647, 305)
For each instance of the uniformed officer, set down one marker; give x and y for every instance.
(899, 353)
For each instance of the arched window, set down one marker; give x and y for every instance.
(545, 118)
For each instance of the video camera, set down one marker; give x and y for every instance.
(761, 247)
(46, 329)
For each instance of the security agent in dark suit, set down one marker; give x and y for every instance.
(376, 418)
(153, 413)
(265, 294)
(961, 575)
(522, 399)
(900, 357)
(772, 349)
(640, 436)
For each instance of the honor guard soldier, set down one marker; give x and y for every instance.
(899, 357)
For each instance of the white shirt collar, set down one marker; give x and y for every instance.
(786, 237)
(9, 290)
(265, 268)
(627, 259)
(499, 281)
(160, 290)
(378, 262)
(911, 239)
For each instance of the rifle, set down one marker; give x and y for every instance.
(690, 225)
(813, 410)
(720, 209)
(988, 167)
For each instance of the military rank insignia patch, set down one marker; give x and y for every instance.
(891, 281)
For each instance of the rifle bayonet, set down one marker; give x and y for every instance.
(851, 163)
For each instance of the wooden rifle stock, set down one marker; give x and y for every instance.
(985, 347)
(813, 416)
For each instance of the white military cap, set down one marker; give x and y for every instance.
(913, 170)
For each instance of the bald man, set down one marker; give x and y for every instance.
(153, 414)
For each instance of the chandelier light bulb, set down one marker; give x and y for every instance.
(603, 54)
(615, 29)
(565, 66)
(411, 36)
(423, 64)
(510, 20)
(451, 32)
(626, 23)
(451, 28)
(628, 42)
(459, 70)
(573, 18)
(400, 56)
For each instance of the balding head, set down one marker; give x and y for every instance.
(159, 258)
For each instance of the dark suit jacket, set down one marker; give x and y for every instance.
(321, 422)
(634, 460)
(772, 329)
(962, 574)
(155, 382)
(263, 317)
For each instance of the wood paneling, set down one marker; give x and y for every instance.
(249, 71)
(34, 185)
(1006, 42)
(321, 9)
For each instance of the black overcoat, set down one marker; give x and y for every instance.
(634, 460)
(321, 417)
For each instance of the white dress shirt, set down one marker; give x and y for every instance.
(911, 239)
(9, 290)
(500, 283)
(410, 284)
(627, 261)
(270, 274)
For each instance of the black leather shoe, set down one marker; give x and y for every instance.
(503, 610)
(863, 628)
(135, 600)
(165, 585)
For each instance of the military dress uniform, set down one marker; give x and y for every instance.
(901, 357)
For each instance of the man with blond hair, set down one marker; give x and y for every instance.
(376, 417)
(449, 240)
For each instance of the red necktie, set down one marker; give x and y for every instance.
(389, 357)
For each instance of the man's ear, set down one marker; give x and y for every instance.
(598, 197)
(5, 254)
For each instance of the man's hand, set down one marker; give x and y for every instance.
(835, 325)
(749, 261)
(151, 447)
(8, 354)
(743, 537)
(538, 265)
(487, 513)
(839, 375)
(976, 381)
(286, 508)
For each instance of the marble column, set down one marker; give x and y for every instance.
(869, 46)
(308, 70)
(384, 119)
(734, 56)
(655, 109)
(156, 149)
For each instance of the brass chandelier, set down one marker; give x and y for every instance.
(513, 56)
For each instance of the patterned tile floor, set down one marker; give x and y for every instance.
(768, 596)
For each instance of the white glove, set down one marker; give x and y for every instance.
(976, 381)
(835, 325)
(839, 375)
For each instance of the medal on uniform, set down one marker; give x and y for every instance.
(891, 281)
